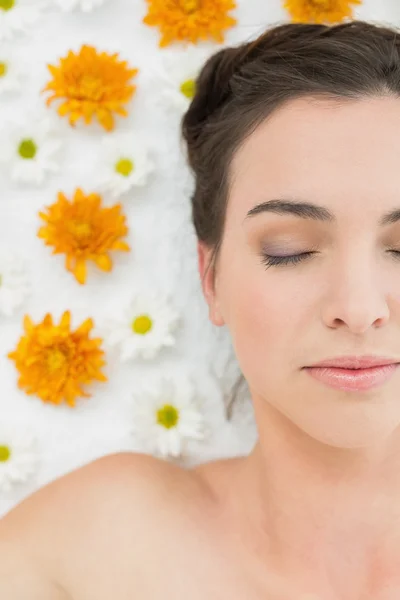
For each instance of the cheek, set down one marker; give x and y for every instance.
(269, 313)
(263, 319)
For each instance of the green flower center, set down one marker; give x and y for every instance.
(167, 416)
(3, 69)
(124, 166)
(142, 324)
(188, 88)
(189, 6)
(27, 148)
(5, 453)
(6, 4)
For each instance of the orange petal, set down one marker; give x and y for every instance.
(28, 324)
(63, 109)
(69, 262)
(118, 245)
(79, 195)
(50, 99)
(85, 327)
(104, 262)
(80, 271)
(61, 197)
(66, 320)
(105, 119)
(42, 233)
(74, 117)
(100, 377)
(43, 216)
(53, 70)
(48, 320)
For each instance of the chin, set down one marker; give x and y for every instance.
(344, 422)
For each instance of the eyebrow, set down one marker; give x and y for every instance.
(308, 210)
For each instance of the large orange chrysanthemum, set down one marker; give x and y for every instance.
(92, 83)
(54, 362)
(190, 20)
(320, 11)
(84, 230)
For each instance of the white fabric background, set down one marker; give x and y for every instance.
(161, 237)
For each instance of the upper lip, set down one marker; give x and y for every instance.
(356, 362)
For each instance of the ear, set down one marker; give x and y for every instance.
(208, 285)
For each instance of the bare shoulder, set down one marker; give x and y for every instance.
(71, 532)
(101, 486)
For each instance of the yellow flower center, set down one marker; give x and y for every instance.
(91, 87)
(56, 359)
(142, 324)
(189, 6)
(1, 280)
(188, 88)
(124, 166)
(6, 4)
(27, 149)
(3, 69)
(5, 453)
(80, 231)
(167, 416)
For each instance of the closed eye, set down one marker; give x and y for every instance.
(275, 261)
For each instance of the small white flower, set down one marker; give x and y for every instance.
(11, 72)
(146, 325)
(83, 5)
(166, 414)
(19, 457)
(174, 83)
(18, 16)
(15, 285)
(29, 150)
(124, 162)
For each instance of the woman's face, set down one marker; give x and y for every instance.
(344, 299)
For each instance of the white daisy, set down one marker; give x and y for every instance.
(174, 83)
(29, 151)
(83, 5)
(19, 456)
(15, 285)
(124, 162)
(11, 72)
(147, 324)
(166, 414)
(18, 16)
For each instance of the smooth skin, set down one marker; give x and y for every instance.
(313, 513)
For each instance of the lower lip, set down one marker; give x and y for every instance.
(353, 380)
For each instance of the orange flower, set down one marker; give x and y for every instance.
(93, 84)
(190, 20)
(83, 230)
(54, 362)
(320, 11)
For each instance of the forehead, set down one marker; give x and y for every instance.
(327, 151)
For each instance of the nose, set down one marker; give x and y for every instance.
(357, 298)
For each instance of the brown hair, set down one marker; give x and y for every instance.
(239, 87)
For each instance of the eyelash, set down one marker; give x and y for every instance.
(279, 261)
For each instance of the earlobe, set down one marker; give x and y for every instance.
(216, 317)
(207, 281)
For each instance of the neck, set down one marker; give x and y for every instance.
(329, 514)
